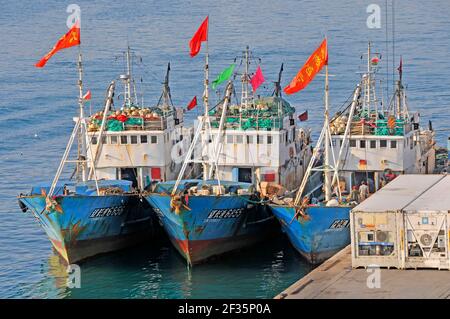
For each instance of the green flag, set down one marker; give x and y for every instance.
(222, 77)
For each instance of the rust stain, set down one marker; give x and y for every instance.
(73, 231)
(200, 229)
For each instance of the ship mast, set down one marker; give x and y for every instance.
(82, 149)
(126, 78)
(244, 96)
(166, 97)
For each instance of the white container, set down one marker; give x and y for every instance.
(377, 225)
(426, 229)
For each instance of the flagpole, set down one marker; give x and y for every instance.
(206, 95)
(81, 138)
(327, 141)
(206, 101)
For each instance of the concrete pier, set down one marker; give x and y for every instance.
(336, 279)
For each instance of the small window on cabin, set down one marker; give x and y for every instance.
(362, 144)
(154, 139)
(123, 139)
(373, 144)
(94, 140)
(340, 142)
(113, 139)
(393, 144)
(230, 139)
(104, 139)
(269, 139)
(239, 139)
(259, 139)
(143, 139)
(133, 139)
(383, 143)
(249, 139)
(352, 143)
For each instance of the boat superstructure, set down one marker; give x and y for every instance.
(384, 140)
(144, 144)
(261, 141)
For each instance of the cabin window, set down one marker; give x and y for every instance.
(154, 139)
(383, 143)
(373, 144)
(239, 139)
(230, 139)
(113, 139)
(269, 139)
(340, 142)
(249, 139)
(259, 139)
(393, 144)
(143, 139)
(123, 139)
(94, 140)
(352, 143)
(133, 139)
(104, 139)
(362, 144)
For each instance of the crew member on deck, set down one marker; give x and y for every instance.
(363, 191)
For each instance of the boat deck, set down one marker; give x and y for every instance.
(336, 279)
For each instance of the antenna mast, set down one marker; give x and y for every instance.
(244, 97)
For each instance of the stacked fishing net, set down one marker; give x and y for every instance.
(126, 118)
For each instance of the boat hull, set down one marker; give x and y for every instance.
(212, 225)
(84, 226)
(320, 235)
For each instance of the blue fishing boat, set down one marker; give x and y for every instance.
(364, 146)
(81, 223)
(202, 224)
(101, 210)
(243, 148)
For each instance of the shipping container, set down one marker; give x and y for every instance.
(426, 229)
(377, 223)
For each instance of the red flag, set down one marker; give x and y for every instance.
(87, 96)
(257, 79)
(309, 70)
(304, 116)
(68, 40)
(192, 104)
(199, 36)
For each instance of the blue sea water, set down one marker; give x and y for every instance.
(37, 106)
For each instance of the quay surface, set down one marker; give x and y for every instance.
(336, 279)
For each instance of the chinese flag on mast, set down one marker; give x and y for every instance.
(70, 39)
(309, 70)
(192, 104)
(87, 96)
(201, 35)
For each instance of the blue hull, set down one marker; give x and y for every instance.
(81, 226)
(321, 235)
(211, 225)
